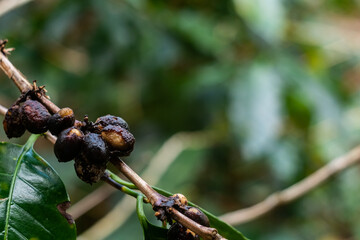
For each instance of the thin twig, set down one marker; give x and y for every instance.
(91, 200)
(22, 83)
(106, 178)
(154, 197)
(295, 191)
(8, 5)
(208, 233)
(3, 110)
(156, 168)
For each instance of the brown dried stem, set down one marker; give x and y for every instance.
(19, 79)
(295, 191)
(208, 233)
(154, 197)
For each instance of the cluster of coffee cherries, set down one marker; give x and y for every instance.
(178, 231)
(91, 144)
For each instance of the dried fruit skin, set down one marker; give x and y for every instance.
(61, 120)
(180, 199)
(12, 123)
(179, 232)
(87, 171)
(118, 139)
(95, 148)
(106, 120)
(197, 215)
(35, 116)
(68, 144)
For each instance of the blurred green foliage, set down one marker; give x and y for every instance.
(277, 81)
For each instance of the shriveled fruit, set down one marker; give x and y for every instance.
(180, 199)
(61, 120)
(12, 123)
(179, 232)
(118, 139)
(106, 120)
(87, 171)
(68, 144)
(35, 116)
(95, 148)
(197, 215)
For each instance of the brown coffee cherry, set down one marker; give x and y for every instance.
(78, 124)
(197, 215)
(12, 123)
(118, 139)
(95, 149)
(87, 171)
(180, 199)
(179, 232)
(35, 116)
(68, 144)
(106, 120)
(61, 120)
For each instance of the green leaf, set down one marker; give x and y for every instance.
(223, 228)
(30, 194)
(151, 232)
(154, 232)
(256, 109)
(265, 18)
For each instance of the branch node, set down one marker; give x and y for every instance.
(5, 51)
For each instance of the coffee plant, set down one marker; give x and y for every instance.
(33, 199)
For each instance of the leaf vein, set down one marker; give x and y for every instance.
(34, 219)
(30, 185)
(17, 232)
(6, 174)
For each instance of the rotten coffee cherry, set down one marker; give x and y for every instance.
(106, 120)
(179, 199)
(35, 116)
(68, 144)
(88, 171)
(197, 215)
(12, 123)
(119, 140)
(179, 232)
(95, 149)
(61, 120)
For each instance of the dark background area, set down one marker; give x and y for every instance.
(272, 85)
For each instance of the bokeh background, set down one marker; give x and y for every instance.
(248, 97)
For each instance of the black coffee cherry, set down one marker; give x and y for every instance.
(95, 149)
(118, 139)
(12, 123)
(197, 215)
(87, 171)
(179, 232)
(61, 120)
(35, 116)
(68, 144)
(106, 120)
